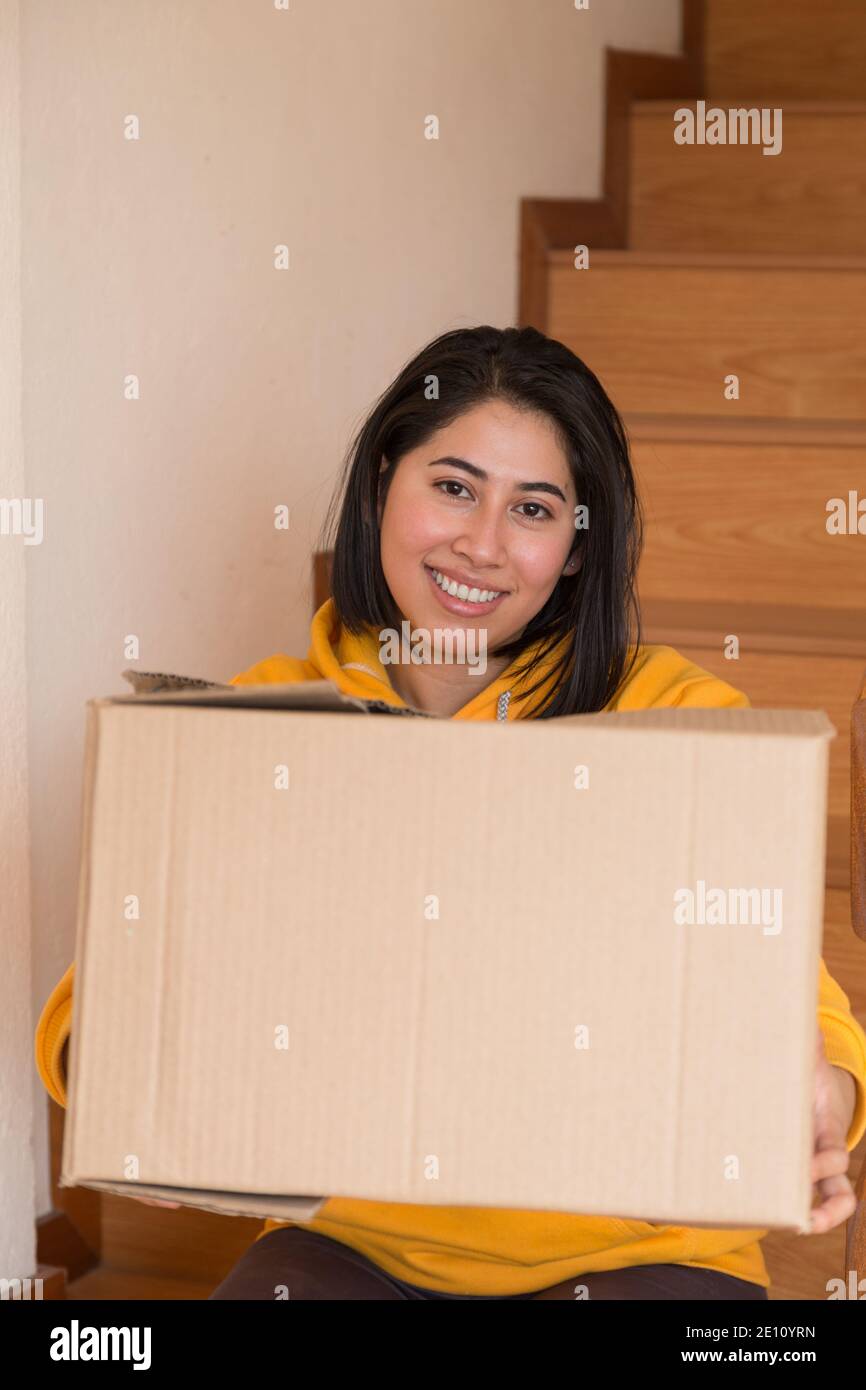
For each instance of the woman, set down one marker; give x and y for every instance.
(490, 491)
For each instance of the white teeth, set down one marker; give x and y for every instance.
(462, 591)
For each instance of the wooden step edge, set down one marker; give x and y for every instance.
(659, 106)
(53, 1281)
(837, 872)
(760, 627)
(730, 429)
(706, 260)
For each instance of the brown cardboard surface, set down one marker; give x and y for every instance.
(433, 969)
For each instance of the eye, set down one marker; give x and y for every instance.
(450, 482)
(454, 482)
(547, 512)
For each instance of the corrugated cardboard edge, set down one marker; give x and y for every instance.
(91, 735)
(154, 687)
(783, 721)
(149, 682)
(223, 1203)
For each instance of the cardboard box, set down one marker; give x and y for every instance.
(419, 960)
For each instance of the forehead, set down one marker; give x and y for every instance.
(519, 445)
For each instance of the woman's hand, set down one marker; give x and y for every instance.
(830, 1159)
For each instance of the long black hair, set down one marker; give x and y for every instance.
(593, 608)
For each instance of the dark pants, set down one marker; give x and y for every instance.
(305, 1265)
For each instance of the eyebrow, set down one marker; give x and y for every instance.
(476, 472)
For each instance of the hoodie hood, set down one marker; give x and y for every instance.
(352, 662)
(660, 676)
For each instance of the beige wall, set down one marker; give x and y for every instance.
(17, 1155)
(155, 257)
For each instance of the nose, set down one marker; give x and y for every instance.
(481, 537)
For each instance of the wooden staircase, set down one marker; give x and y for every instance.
(712, 262)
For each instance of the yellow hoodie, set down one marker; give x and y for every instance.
(486, 1250)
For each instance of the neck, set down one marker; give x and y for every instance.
(442, 690)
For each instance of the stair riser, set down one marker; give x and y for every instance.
(663, 339)
(811, 197)
(785, 49)
(760, 513)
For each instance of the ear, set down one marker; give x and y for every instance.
(574, 563)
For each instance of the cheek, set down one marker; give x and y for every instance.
(414, 525)
(538, 565)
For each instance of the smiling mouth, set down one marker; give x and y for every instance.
(464, 596)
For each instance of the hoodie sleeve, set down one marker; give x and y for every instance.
(845, 1044)
(52, 1034)
(662, 678)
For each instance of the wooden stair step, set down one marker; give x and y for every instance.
(786, 49)
(793, 629)
(801, 1269)
(107, 1282)
(752, 496)
(663, 331)
(733, 197)
(726, 429)
(188, 1245)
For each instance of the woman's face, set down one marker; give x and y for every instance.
(509, 531)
